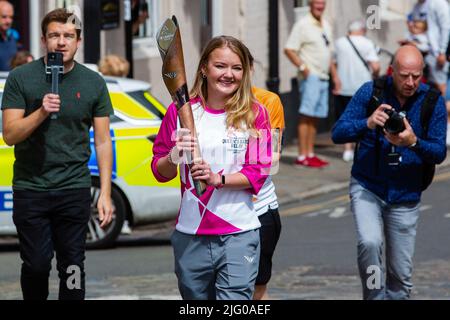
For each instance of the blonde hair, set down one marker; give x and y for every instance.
(114, 65)
(240, 110)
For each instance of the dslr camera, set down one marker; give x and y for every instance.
(394, 124)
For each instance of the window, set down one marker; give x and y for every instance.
(301, 3)
(149, 102)
(145, 18)
(205, 22)
(69, 4)
(301, 7)
(1, 122)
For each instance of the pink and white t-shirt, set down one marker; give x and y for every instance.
(225, 210)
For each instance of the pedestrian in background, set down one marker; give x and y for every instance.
(436, 14)
(357, 63)
(447, 96)
(309, 48)
(266, 202)
(20, 58)
(8, 43)
(388, 171)
(216, 239)
(114, 65)
(52, 182)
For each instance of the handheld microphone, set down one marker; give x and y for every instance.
(54, 71)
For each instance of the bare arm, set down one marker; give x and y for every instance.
(166, 168)
(296, 61)
(17, 128)
(293, 57)
(203, 172)
(335, 78)
(375, 66)
(103, 149)
(184, 143)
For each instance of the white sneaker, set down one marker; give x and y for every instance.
(347, 156)
(125, 228)
(448, 136)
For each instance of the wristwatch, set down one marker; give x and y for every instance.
(302, 67)
(222, 182)
(415, 145)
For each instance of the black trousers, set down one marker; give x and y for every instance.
(48, 222)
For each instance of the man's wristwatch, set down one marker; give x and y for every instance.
(415, 145)
(302, 67)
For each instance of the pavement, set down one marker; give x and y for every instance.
(295, 183)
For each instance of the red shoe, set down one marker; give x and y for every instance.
(318, 162)
(308, 163)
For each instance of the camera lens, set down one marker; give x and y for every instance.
(394, 124)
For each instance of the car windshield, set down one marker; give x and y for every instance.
(1, 123)
(113, 119)
(149, 102)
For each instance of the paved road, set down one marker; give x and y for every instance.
(315, 259)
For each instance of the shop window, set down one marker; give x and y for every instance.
(145, 18)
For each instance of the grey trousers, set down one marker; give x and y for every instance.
(376, 220)
(216, 267)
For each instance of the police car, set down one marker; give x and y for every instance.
(136, 194)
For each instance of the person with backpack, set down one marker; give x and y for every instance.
(400, 125)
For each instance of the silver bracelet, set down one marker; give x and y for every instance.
(169, 157)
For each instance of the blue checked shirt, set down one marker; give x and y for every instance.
(394, 184)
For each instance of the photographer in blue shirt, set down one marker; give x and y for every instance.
(388, 171)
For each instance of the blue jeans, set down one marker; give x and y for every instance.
(373, 217)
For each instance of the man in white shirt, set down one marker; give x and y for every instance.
(357, 62)
(309, 48)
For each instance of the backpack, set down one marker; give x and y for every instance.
(426, 110)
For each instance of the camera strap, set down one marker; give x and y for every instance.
(359, 54)
(426, 111)
(375, 101)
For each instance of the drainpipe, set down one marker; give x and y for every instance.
(128, 36)
(92, 38)
(35, 28)
(273, 80)
(217, 18)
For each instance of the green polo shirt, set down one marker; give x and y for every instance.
(56, 155)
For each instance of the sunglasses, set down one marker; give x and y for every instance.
(327, 42)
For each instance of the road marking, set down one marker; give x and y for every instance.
(317, 213)
(314, 210)
(425, 208)
(314, 207)
(337, 213)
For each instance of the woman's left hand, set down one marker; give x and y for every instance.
(202, 171)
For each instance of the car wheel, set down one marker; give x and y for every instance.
(101, 238)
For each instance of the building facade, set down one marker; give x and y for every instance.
(200, 20)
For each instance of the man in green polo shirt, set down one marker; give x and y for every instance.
(51, 184)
